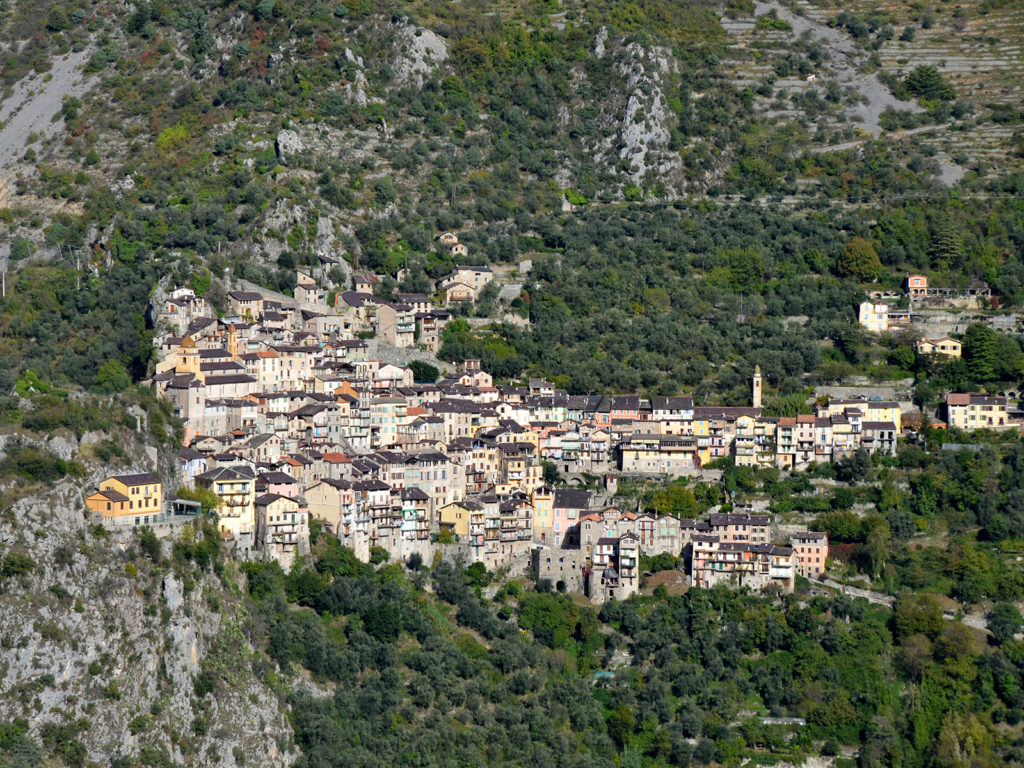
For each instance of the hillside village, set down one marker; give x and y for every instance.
(511, 383)
(288, 418)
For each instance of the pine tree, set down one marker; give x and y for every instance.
(981, 353)
(947, 249)
(928, 83)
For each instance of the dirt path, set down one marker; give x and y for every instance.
(35, 101)
(845, 58)
(858, 142)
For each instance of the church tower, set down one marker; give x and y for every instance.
(188, 357)
(756, 394)
(232, 342)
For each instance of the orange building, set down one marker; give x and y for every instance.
(128, 498)
(916, 285)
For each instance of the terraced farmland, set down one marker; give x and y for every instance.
(823, 65)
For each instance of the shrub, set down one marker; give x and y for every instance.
(36, 465)
(21, 249)
(111, 377)
(150, 545)
(15, 564)
(204, 684)
(928, 83)
(423, 372)
(105, 450)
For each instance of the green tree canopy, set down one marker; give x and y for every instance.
(859, 260)
(927, 82)
(981, 353)
(917, 614)
(423, 372)
(746, 269)
(1005, 622)
(676, 500)
(112, 377)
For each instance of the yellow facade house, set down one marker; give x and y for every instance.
(542, 500)
(455, 517)
(874, 316)
(128, 499)
(945, 346)
(870, 410)
(974, 410)
(280, 524)
(235, 488)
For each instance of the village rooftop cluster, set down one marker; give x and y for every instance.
(287, 417)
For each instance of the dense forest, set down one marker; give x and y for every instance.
(659, 298)
(455, 678)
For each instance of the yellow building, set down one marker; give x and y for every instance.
(870, 410)
(701, 428)
(973, 410)
(945, 346)
(755, 442)
(874, 316)
(281, 524)
(128, 499)
(455, 518)
(236, 492)
(543, 501)
(519, 466)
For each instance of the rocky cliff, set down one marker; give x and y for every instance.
(119, 645)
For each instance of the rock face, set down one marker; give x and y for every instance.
(288, 145)
(599, 42)
(417, 52)
(644, 129)
(135, 656)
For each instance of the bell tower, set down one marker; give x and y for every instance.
(756, 387)
(188, 357)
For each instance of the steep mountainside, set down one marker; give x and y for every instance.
(116, 649)
(254, 137)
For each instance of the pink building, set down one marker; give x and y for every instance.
(811, 550)
(916, 285)
(567, 508)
